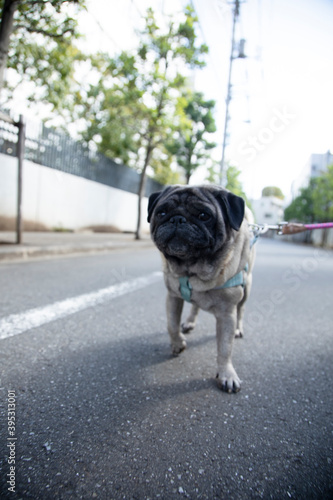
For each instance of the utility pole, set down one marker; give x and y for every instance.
(20, 156)
(228, 99)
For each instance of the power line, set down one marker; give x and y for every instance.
(205, 42)
(103, 30)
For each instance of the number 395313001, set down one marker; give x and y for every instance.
(11, 413)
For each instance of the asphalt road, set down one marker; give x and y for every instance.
(103, 411)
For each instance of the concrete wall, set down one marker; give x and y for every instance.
(60, 200)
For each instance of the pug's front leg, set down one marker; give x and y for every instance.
(188, 326)
(174, 312)
(227, 378)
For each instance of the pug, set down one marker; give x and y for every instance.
(204, 238)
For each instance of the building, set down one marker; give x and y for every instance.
(268, 210)
(315, 166)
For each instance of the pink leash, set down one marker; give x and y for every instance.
(293, 227)
(288, 227)
(319, 226)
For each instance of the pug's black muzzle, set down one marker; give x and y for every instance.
(179, 237)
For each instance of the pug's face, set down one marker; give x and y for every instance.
(193, 222)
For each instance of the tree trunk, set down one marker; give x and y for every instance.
(188, 177)
(150, 148)
(6, 29)
(142, 186)
(188, 170)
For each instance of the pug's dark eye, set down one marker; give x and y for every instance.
(161, 214)
(203, 217)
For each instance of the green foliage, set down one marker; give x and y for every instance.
(42, 51)
(133, 109)
(323, 196)
(234, 184)
(315, 202)
(272, 191)
(213, 174)
(301, 208)
(114, 113)
(163, 173)
(190, 144)
(49, 18)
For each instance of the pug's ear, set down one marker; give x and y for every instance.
(233, 208)
(153, 199)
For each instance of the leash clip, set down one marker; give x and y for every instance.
(260, 229)
(281, 226)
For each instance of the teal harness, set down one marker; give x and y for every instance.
(185, 286)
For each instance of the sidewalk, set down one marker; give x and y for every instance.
(52, 244)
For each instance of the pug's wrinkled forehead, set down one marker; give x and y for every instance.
(189, 199)
(177, 195)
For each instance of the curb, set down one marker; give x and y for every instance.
(35, 252)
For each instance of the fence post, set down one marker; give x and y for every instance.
(20, 155)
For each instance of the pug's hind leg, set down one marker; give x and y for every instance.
(239, 333)
(241, 306)
(174, 312)
(189, 324)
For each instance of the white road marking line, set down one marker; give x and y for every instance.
(19, 323)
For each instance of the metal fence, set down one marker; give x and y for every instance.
(57, 150)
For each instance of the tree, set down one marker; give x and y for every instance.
(114, 108)
(132, 108)
(36, 43)
(315, 202)
(301, 208)
(190, 144)
(272, 191)
(322, 196)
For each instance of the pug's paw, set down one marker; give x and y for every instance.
(178, 346)
(239, 334)
(228, 380)
(188, 327)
